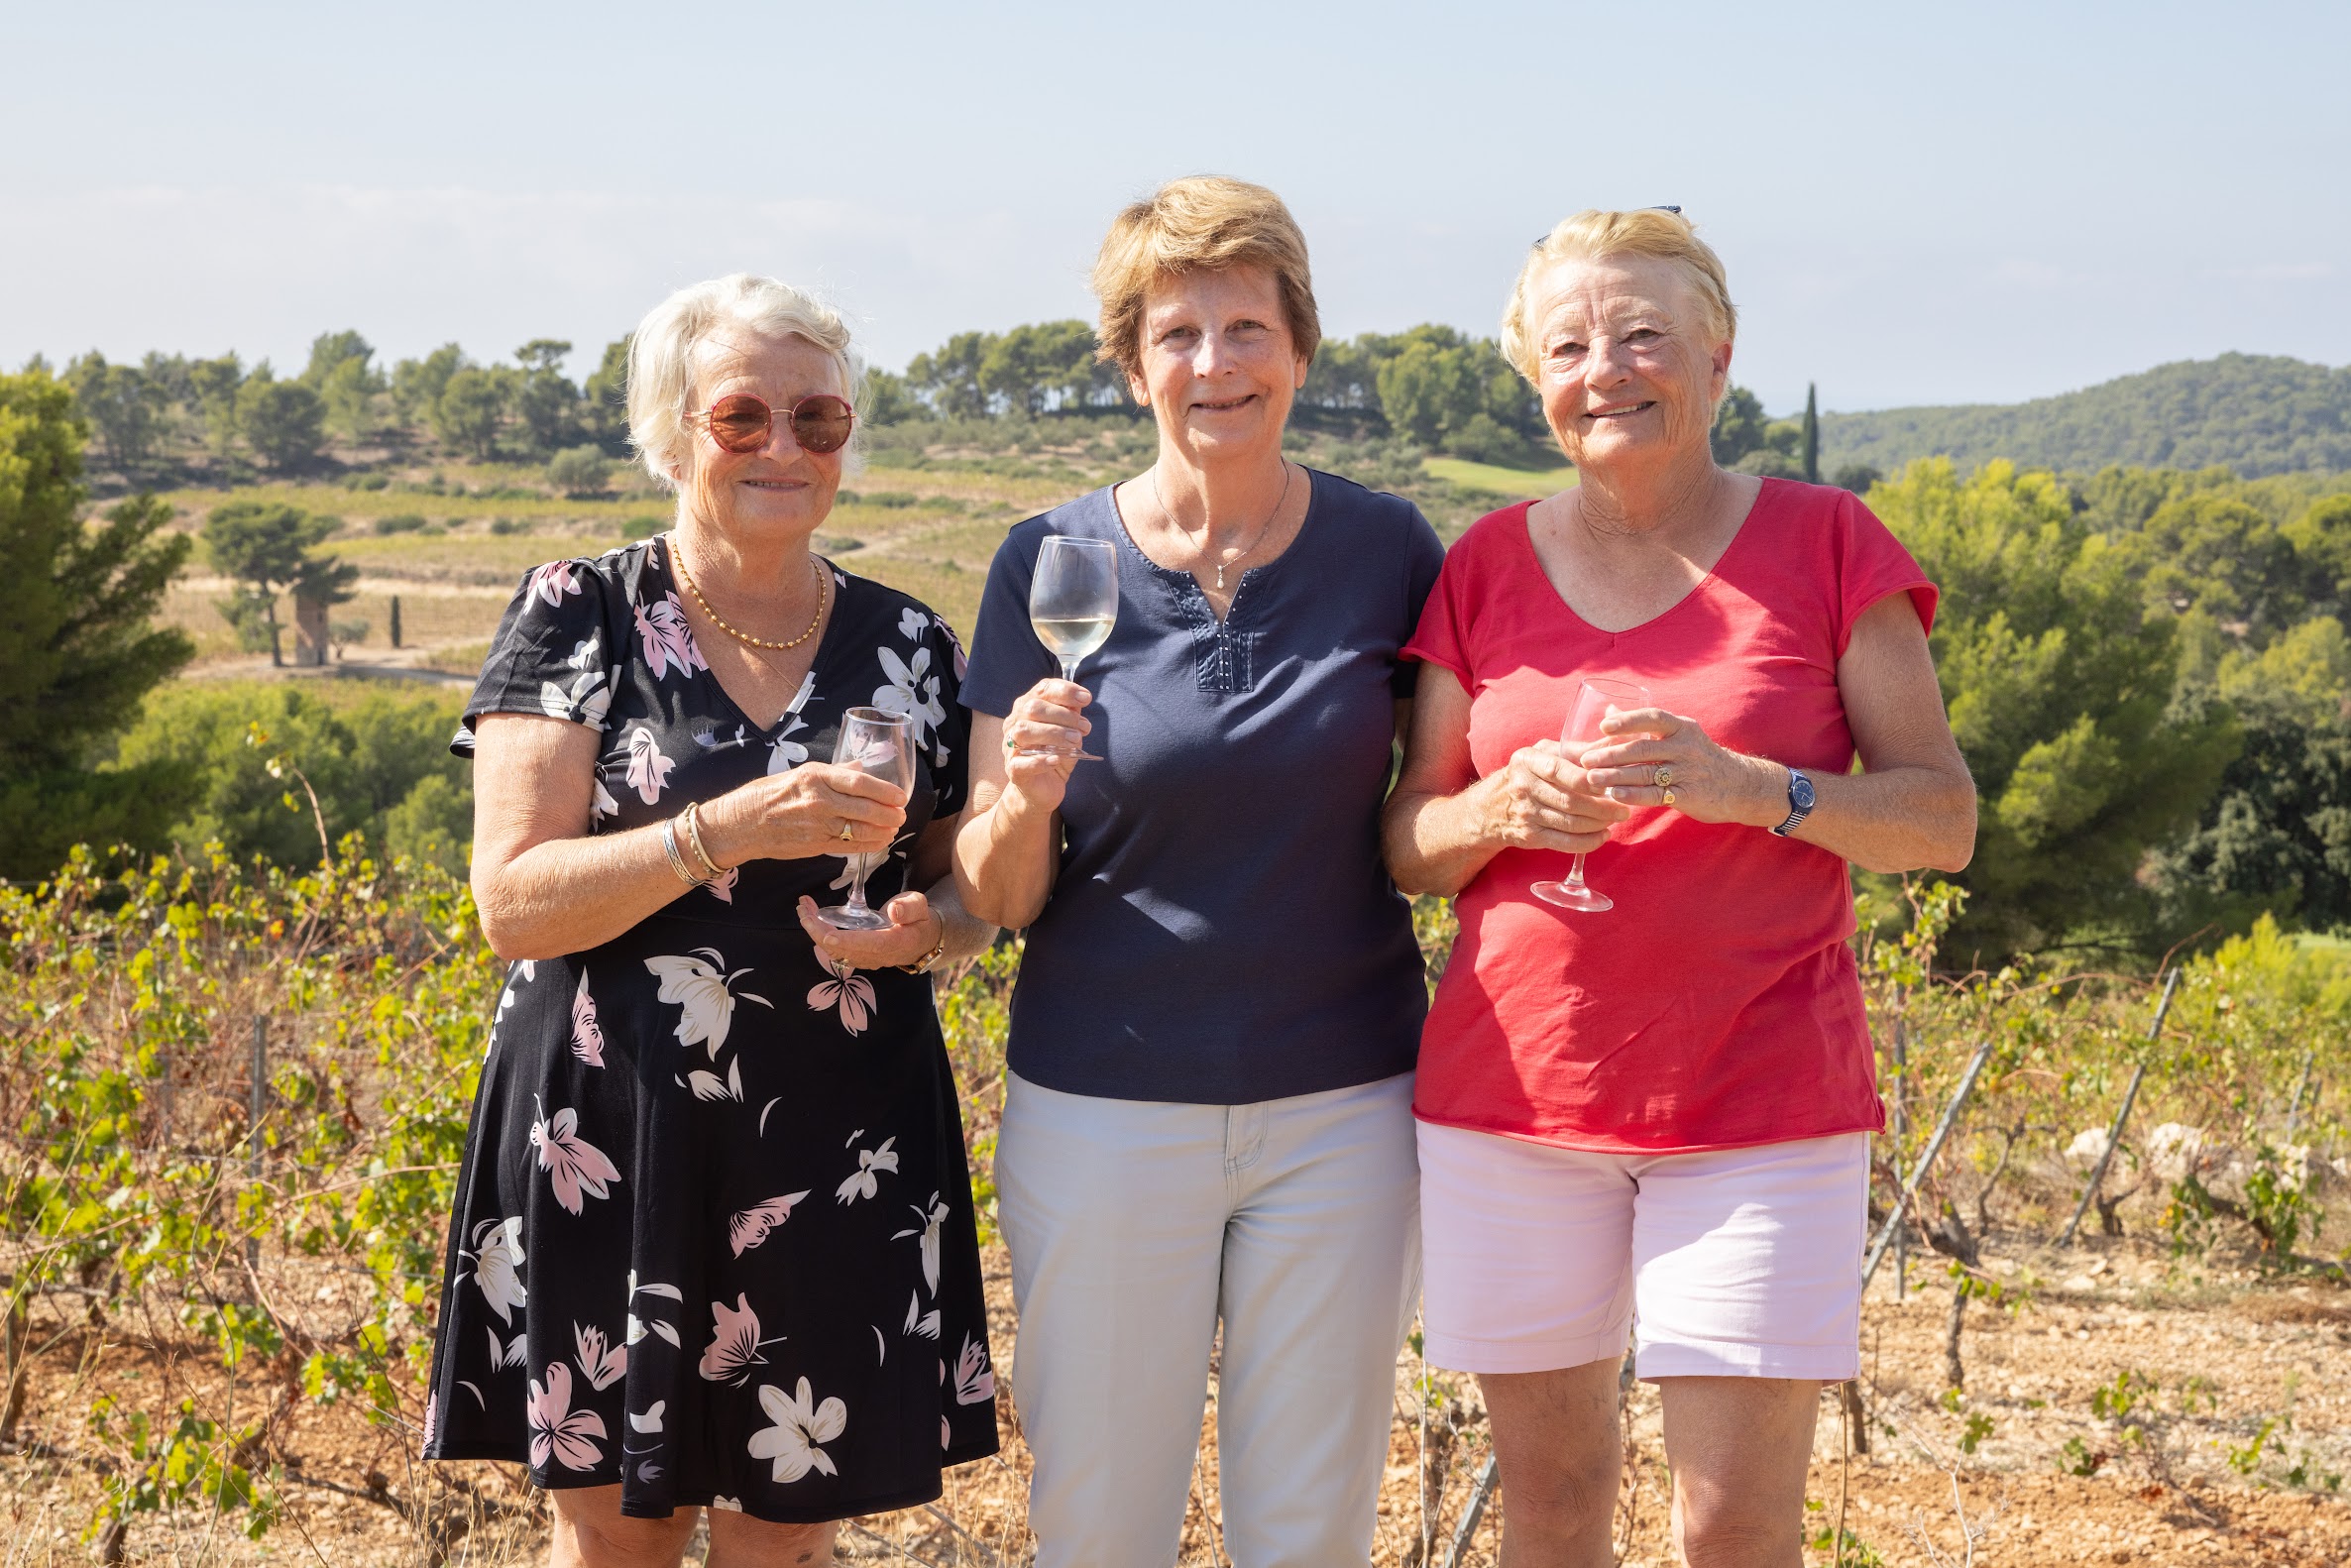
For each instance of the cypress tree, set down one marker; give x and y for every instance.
(1811, 435)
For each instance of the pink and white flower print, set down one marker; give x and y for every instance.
(587, 1033)
(668, 640)
(553, 581)
(850, 991)
(573, 1165)
(735, 1342)
(558, 1430)
(648, 771)
(800, 1425)
(750, 1228)
(700, 987)
(976, 1379)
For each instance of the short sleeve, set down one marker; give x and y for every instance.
(552, 655)
(1871, 564)
(1447, 631)
(1006, 657)
(1425, 563)
(950, 761)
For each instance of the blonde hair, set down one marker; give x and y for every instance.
(1203, 223)
(1596, 235)
(661, 355)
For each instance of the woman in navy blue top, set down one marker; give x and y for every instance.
(1213, 1033)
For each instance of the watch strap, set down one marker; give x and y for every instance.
(1797, 810)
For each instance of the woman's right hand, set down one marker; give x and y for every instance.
(1540, 800)
(1043, 736)
(803, 812)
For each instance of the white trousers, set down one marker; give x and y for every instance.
(1134, 1225)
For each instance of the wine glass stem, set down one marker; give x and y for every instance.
(1575, 872)
(1070, 670)
(862, 869)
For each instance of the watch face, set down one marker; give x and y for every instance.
(1800, 793)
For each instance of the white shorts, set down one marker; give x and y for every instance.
(1727, 1262)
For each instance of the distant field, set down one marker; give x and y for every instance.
(1512, 484)
(928, 532)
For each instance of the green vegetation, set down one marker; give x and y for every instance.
(76, 641)
(287, 770)
(2258, 414)
(1515, 484)
(2144, 670)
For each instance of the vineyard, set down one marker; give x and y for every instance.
(235, 1100)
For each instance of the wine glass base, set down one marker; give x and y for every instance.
(840, 917)
(1570, 897)
(1048, 752)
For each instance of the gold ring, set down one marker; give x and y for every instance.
(847, 833)
(1664, 778)
(1669, 797)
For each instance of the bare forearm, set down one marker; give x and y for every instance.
(1435, 843)
(1901, 819)
(1006, 853)
(568, 895)
(966, 935)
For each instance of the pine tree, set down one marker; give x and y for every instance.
(77, 643)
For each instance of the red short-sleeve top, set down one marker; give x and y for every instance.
(1719, 1003)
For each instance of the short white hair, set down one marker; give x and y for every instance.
(661, 355)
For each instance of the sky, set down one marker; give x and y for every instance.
(1917, 204)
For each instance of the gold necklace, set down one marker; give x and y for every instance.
(1169, 513)
(678, 554)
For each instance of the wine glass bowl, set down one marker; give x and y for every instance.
(1072, 604)
(1596, 699)
(881, 744)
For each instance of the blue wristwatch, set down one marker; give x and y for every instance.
(1800, 799)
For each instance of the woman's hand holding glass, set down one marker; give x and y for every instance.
(1648, 756)
(1540, 800)
(1044, 738)
(802, 813)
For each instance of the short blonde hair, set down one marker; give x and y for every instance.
(661, 355)
(1594, 235)
(1203, 223)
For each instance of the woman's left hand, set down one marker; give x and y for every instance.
(1651, 757)
(915, 929)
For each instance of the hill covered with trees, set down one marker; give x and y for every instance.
(2255, 413)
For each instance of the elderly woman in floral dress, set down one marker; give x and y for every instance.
(713, 1241)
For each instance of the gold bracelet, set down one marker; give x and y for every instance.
(676, 858)
(922, 965)
(709, 867)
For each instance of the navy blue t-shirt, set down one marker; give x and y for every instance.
(1222, 929)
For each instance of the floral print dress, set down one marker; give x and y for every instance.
(713, 1238)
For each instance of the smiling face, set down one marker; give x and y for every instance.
(1219, 364)
(780, 493)
(1629, 374)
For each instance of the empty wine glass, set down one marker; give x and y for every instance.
(1596, 699)
(1073, 603)
(879, 744)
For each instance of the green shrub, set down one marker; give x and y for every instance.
(400, 522)
(364, 756)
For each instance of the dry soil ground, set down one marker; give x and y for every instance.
(2248, 1394)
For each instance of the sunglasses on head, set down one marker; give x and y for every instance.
(741, 422)
(1676, 211)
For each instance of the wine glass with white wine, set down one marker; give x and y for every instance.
(1072, 604)
(1595, 703)
(879, 744)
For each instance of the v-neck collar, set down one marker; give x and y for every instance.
(808, 681)
(1697, 590)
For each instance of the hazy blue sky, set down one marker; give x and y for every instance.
(1917, 204)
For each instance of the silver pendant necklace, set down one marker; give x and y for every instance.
(1169, 513)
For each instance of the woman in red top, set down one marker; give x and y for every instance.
(1660, 1111)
